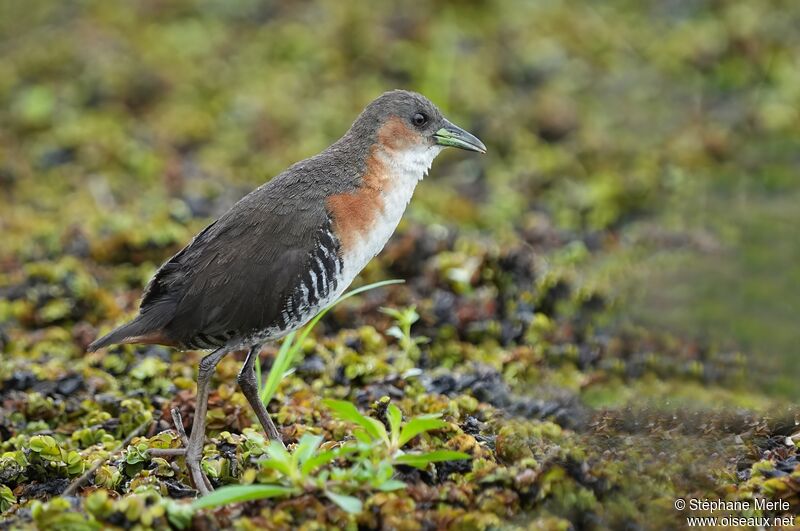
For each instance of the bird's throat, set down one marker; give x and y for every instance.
(365, 218)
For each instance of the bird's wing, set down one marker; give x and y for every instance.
(234, 277)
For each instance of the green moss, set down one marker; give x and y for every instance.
(607, 183)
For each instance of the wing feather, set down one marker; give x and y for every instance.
(235, 276)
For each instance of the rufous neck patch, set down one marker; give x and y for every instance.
(396, 135)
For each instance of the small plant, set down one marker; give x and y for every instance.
(7, 498)
(298, 472)
(49, 457)
(135, 458)
(401, 331)
(144, 508)
(371, 458)
(374, 439)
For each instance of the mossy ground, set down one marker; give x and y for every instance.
(125, 128)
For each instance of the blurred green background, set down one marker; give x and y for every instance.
(662, 135)
(611, 293)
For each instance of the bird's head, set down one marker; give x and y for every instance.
(403, 121)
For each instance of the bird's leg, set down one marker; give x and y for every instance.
(194, 450)
(194, 446)
(249, 385)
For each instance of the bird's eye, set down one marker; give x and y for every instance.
(420, 119)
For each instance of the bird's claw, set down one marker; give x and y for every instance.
(200, 480)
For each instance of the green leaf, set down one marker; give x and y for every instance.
(313, 463)
(390, 485)
(279, 459)
(423, 460)
(362, 436)
(178, 514)
(306, 448)
(379, 428)
(241, 493)
(349, 504)
(383, 473)
(392, 312)
(347, 411)
(395, 417)
(395, 332)
(7, 498)
(323, 458)
(419, 425)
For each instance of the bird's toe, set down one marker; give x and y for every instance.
(162, 452)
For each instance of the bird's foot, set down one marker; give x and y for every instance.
(200, 480)
(163, 452)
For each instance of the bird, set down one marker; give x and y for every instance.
(288, 249)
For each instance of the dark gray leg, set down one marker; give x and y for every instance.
(249, 385)
(194, 450)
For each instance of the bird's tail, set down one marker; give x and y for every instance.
(136, 331)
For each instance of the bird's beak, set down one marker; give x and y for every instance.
(452, 135)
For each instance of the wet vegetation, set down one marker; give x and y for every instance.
(597, 318)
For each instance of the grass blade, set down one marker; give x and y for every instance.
(241, 493)
(306, 448)
(390, 485)
(345, 410)
(423, 460)
(395, 418)
(419, 425)
(282, 362)
(349, 504)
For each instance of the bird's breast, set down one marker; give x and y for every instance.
(365, 218)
